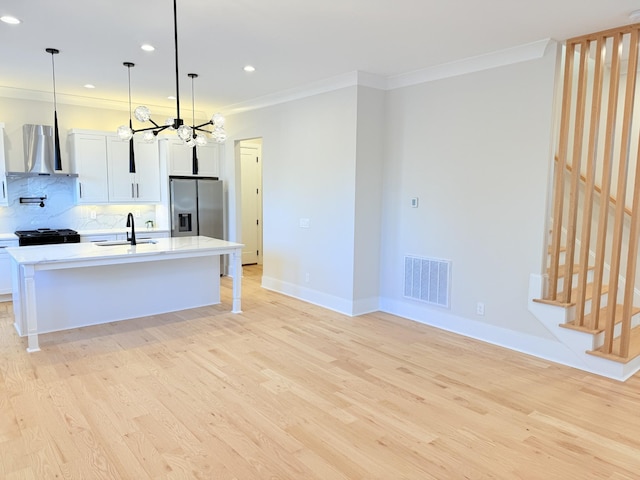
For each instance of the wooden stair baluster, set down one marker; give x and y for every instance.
(621, 193)
(574, 200)
(634, 235)
(587, 220)
(612, 109)
(558, 196)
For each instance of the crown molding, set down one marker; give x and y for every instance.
(521, 53)
(82, 101)
(508, 56)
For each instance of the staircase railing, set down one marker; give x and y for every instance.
(596, 150)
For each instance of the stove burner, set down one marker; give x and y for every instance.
(46, 236)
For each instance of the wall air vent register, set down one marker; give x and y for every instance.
(427, 280)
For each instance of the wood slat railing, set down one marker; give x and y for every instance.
(596, 134)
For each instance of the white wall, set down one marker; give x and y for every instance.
(309, 168)
(368, 200)
(475, 149)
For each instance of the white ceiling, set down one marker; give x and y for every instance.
(292, 43)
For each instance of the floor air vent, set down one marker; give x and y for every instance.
(427, 280)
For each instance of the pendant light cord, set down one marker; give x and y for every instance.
(129, 77)
(193, 103)
(53, 70)
(175, 36)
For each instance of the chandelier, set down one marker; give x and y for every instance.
(185, 132)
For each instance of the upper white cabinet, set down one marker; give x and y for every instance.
(4, 196)
(142, 186)
(89, 155)
(181, 159)
(101, 161)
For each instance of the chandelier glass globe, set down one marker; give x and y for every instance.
(217, 120)
(184, 132)
(125, 132)
(219, 135)
(148, 136)
(142, 113)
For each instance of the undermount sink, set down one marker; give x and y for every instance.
(111, 243)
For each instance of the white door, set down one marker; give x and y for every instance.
(251, 187)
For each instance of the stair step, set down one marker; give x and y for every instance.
(603, 315)
(562, 249)
(634, 348)
(574, 294)
(562, 269)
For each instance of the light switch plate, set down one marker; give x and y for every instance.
(414, 202)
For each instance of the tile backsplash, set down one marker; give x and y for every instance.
(60, 210)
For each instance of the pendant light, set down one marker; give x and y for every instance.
(196, 140)
(57, 159)
(127, 133)
(185, 132)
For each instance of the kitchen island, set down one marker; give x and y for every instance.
(58, 287)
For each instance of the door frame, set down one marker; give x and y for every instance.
(256, 143)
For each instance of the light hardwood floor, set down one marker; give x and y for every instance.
(287, 390)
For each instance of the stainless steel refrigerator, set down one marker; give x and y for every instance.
(197, 208)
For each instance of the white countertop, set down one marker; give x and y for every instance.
(81, 252)
(8, 236)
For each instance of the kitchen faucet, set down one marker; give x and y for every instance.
(130, 223)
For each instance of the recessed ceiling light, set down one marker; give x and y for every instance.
(171, 97)
(88, 85)
(249, 68)
(10, 20)
(147, 48)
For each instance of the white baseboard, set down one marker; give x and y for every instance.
(340, 305)
(550, 349)
(547, 349)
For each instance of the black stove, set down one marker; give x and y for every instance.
(46, 236)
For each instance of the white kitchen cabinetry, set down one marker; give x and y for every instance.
(141, 234)
(5, 267)
(101, 161)
(181, 163)
(89, 155)
(4, 195)
(142, 186)
(99, 237)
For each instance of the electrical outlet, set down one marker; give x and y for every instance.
(480, 308)
(305, 223)
(136, 213)
(92, 214)
(306, 277)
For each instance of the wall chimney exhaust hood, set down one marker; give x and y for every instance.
(38, 153)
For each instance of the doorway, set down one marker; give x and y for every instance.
(251, 198)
